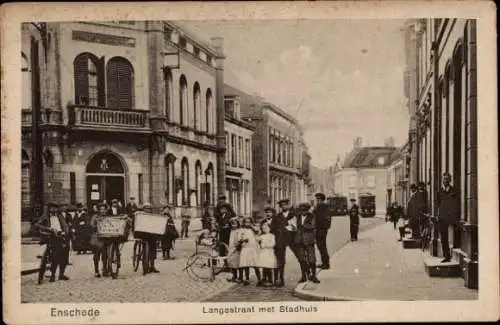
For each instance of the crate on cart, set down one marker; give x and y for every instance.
(150, 223)
(112, 226)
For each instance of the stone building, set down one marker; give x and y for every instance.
(238, 154)
(443, 134)
(365, 171)
(128, 108)
(279, 154)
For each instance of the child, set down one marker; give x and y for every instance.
(171, 234)
(402, 223)
(233, 259)
(248, 254)
(267, 259)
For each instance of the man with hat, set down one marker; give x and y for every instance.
(130, 210)
(448, 202)
(55, 223)
(98, 247)
(354, 220)
(322, 214)
(305, 239)
(115, 209)
(224, 213)
(81, 226)
(278, 226)
(152, 243)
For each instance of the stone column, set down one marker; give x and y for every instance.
(218, 45)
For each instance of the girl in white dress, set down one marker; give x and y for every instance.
(249, 249)
(267, 258)
(233, 259)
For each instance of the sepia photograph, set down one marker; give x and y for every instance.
(232, 163)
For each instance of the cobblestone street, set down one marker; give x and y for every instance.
(337, 237)
(171, 285)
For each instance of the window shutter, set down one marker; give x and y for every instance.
(119, 84)
(81, 79)
(101, 89)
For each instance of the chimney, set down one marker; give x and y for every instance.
(389, 142)
(218, 44)
(357, 142)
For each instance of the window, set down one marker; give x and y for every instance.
(185, 181)
(247, 153)
(234, 149)
(228, 158)
(370, 181)
(271, 145)
(88, 80)
(140, 188)
(72, 186)
(168, 95)
(209, 113)
(25, 179)
(120, 84)
(278, 149)
(241, 153)
(229, 108)
(183, 100)
(170, 193)
(182, 42)
(26, 91)
(196, 51)
(196, 106)
(352, 181)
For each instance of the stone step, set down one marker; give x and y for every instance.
(409, 243)
(435, 268)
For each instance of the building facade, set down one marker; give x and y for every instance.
(443, 137)
(365, 171)
(396, 182)
(126, 109)
(238, 135)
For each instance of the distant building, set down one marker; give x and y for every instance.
(280, 158)
(396, 179)
(365, 171)
(238, 156)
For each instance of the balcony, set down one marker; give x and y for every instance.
(111, 119)
(186, 135)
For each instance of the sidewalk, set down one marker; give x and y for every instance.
(376, 267)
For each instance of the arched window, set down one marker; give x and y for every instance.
(48, 159)
(170, 179)
(120, 84)
(208, 109)
(26, 91)
(183, 103)
(168, 95)
(88, 80)
(197, 173)
(196, 106)
(185, 181)
(25, 179)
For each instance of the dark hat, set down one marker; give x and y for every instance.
(52, 205)
(234, 220)
(79, 205)
(320, 196)
(132, 198)
(71, 207)
(413, 186)
(114, 201)
(284, 201)
(222, 197)
(102, 204)
(269, 208)
(353, 200)
(304, 206)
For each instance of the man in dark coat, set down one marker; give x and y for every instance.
(412, 211)
(223, 214)
(423, 204)
(322, 213)
(82, 230)
(305, 239)
(448, 202)
(115, 209)
(279, 224)
(354, 220)
(55, 224)
(130, 210)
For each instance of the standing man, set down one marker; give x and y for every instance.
(323, 219)
(81, 226)
(152, 243)
(448, 202)
(130, 210)
(423, 199)
(115, 209)
(56, 224)
(354, 220)
(305, 237)
(185, 221)
(280, 230)
(412, 211)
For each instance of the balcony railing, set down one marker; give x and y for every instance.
(93, 116)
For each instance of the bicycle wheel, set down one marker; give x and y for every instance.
(219, 258)
(113, 260)
(199, 266)
(43, 265)
(136, 258)
(145, 257)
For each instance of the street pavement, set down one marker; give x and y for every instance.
(376, 267)
(338, 236)
(172, 284)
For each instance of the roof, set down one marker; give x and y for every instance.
(186, 32)
(250, 105)
(371, 157)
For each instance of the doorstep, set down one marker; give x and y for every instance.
(435, 268)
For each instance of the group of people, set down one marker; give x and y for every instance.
(65, 228)
(417, 212)
(260, 243)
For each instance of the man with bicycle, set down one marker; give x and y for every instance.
(57, 229)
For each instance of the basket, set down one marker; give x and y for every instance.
(111, 226)
(150, 223)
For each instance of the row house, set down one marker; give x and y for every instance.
(238, 155)
(443, 133)
(126, 109)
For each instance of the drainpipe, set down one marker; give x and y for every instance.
(436, 148)
(218, 44)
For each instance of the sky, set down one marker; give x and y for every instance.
(340, 78)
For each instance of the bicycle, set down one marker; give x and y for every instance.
(111, 231)
(206, 265)
(140, 254)
(48, 254)
(426, 233)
